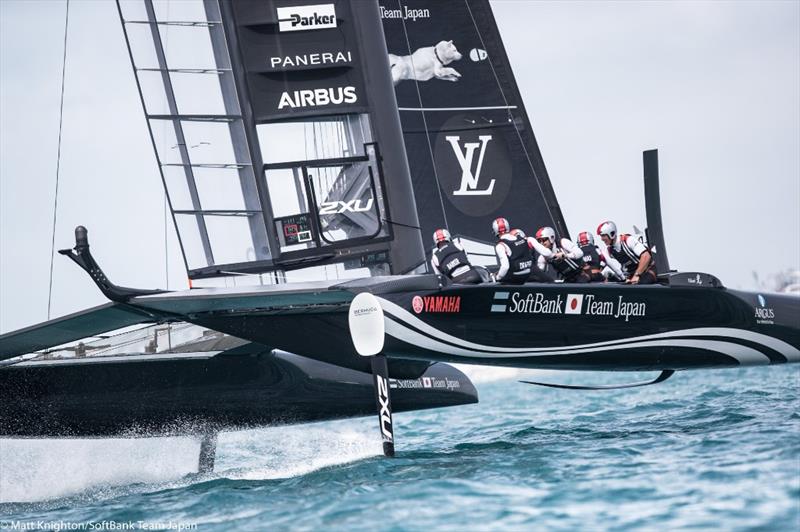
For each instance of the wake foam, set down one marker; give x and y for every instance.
(33, 470)
(283, 452)
(36, 470)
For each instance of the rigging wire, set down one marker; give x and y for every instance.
(425, 125)
(401, 224)
(166, 200)
(166, 247)
(58, 161)
(513, 122)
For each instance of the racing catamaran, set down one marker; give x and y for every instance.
(327, 139)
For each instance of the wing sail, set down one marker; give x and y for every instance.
(470, 145)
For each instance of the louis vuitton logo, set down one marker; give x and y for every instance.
(469, 180)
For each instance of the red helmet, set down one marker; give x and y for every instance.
(441, 235)
(585, 238)
(608, 229)
(500, 226)
(546, 233)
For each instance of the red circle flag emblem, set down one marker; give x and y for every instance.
(574, 304)
(417, 304)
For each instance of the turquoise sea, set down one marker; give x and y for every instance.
(706, 449)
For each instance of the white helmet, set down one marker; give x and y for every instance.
(585, 238)
(609, 229)
(441, 235)
(546, 232)
(518, 232)
(500, 226)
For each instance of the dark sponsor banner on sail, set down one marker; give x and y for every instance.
(299, 58)
(472, 153)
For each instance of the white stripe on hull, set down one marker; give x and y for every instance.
(746, 356)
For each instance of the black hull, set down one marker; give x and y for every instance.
(691, 324)
(612, 327)
(195, 393)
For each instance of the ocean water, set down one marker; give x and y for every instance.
(706, 449)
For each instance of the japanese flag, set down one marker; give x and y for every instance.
(574, 304)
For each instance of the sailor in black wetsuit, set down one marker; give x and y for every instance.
(598, 263)
(632, 254)
(450, 259)
(513, 254)
(566, 259)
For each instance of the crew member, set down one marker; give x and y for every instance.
(566, 259)
(450, 259)
(537, 274)
(598, 263)
(632, 254)
(513, 253)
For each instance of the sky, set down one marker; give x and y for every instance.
(715, 86)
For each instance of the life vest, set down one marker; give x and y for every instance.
(451, 259)
(521, 258)
(626, 256)
(591, 258)
(566, 266)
